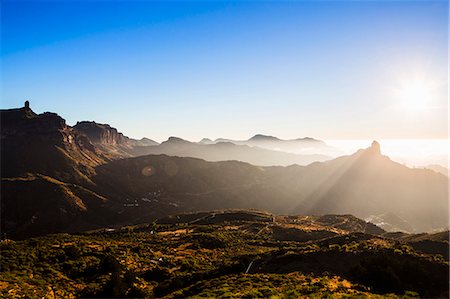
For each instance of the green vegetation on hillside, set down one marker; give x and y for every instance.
(233, 258)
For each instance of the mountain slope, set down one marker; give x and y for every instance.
(32, 143)
(224, 151)
(364, 184)
(109, 139)
(46, 170)
(303, 146)
(40, 153)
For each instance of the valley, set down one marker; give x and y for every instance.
(56, 178)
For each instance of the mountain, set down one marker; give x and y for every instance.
(363, 184)
(224, 151)
(263, 138)
(109, 139)
(46, 171)
(55, 179)
(144, 142)
(303, 146)
(206, 141)
(43, 143)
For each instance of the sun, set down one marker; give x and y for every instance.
(415, 95)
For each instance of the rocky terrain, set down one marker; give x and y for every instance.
(234, 253)
(57, 178)
(109, 139)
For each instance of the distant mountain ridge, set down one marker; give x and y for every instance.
(225, 151)
(55, 178)
(302, 146)
(363, 184)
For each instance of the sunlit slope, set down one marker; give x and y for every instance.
(223, 254)
(133, 190)
(366, 183)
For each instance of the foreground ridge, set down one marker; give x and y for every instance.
(215, 254)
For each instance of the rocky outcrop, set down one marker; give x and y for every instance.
(101, 133)
(43, 143)
(110, 139)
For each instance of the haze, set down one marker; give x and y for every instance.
(212, 149)
(329, 70)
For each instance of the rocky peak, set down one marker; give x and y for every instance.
(206, 141)
(145, 142)
(100, 133)
(309, 139)
(375, 148)
(260, 137)
(173, 139)
(23, 121)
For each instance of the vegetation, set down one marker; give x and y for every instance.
(211, 260)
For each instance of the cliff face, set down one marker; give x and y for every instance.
(46, 170)
(58, 178)
(43, 143)
(109, 139)
(101, 133)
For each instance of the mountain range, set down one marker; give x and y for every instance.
(58, 178)
(227, 150)
(304, 146)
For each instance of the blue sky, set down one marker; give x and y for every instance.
(324, 69)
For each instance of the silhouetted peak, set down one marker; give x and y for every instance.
(21, 121)
(260, 137)
(16, 114)
(86, 123)
(147, 141)
(308, 139)
(27, 110)
(225, 144)
(206, 141)
(222, 140)
(375, 148)
(371, 152)
(173, 139)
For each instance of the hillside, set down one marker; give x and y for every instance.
(43, 143)
(78, 175)
(109, 139)
(239, 254)
(364, 184)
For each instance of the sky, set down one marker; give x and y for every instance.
(324, 69)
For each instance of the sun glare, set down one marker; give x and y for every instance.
(416, 95)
